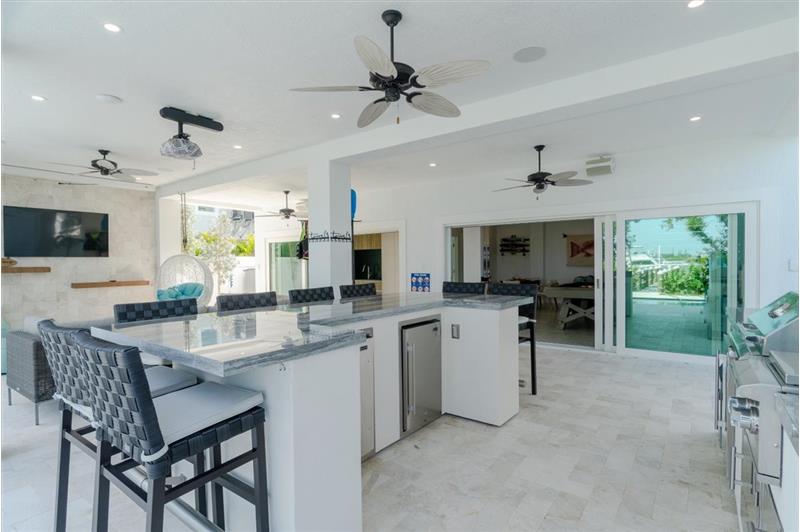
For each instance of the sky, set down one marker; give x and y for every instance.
(650, 233)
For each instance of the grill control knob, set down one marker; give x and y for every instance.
(746, 418)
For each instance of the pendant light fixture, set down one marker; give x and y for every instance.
(180, 146)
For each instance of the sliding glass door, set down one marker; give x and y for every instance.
(286, 271)
(682, 276)
(605, 326)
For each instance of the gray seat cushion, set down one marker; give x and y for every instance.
(182, 413)
(163, 380)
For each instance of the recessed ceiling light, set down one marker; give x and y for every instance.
(336, 116)
(237, 146)
(432, 165)
(36, 98)
(695, 119)
(529, 54)
(113, 28)
(108, 98)
(138, 178)
(696, 3)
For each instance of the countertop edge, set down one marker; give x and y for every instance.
(506, 303)
(233, 367)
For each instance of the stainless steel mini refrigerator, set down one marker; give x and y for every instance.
(421, 374)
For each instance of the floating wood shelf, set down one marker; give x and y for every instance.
(110, 284)
(26, 269)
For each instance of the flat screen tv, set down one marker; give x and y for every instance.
(50, 233)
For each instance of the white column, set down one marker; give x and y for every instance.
(472, 254)
(329, 262)
(168, 227)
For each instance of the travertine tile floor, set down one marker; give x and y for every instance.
(610, 443)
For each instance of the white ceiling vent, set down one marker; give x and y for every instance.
(602, 165)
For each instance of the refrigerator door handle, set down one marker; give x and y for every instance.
(406, 388)
(412, 357)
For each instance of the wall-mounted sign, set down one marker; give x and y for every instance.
(420, 282)
(333, 236)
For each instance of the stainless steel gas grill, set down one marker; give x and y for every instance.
(761, 361)
(773, 327)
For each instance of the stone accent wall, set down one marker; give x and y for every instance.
(132, 254)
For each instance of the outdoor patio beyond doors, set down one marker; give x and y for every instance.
(683, 275)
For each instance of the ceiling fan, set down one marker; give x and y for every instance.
(398, 80)
(104, 168)
(541, 180)
(286, 213)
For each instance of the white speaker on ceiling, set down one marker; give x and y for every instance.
(600, 166)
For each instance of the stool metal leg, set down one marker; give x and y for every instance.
(62, 482)
(36, 413)
(533, 358)
(9, 396)
(260, 478)
(155, 505)
(101, 488)
(200, 502)
(217, 503)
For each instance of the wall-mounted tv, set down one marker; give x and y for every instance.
(50, 233)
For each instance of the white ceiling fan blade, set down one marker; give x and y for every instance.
(268, 215)
(374, 58)
(335, 88)
(518, 180)
(452, 72)
(433, 104)
(372, 111)
(83, 166)
(136, 172)
(509, 188)
(562, 176)
(573, 183)
(37, 169)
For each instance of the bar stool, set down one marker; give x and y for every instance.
(157, 433)
(73, 398)
(450, 287)
(349, 291)
(310, 295)
(228, 302)
(527, 315)
(154, 310)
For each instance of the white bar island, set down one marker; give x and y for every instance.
(305, 359)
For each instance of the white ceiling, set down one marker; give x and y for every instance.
(236, 62)
(755, 107)
(764, 106)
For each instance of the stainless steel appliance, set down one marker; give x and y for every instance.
(756, 367)
(772, 327)
(367, 396)
(420, 373)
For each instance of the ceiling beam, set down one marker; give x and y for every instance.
(751, 53)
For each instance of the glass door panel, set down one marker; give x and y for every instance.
(605, 283)
(680, 274)
(286, 271)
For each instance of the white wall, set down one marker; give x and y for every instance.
(132, 254)
(759, 169)
(390, 262)
(555, 250)
(472, 254)
(530, 266)
(547, 260)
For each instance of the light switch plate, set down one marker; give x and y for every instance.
(455, 331)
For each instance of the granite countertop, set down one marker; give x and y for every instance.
(787, 405)
(346, 311)
(227, 343)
